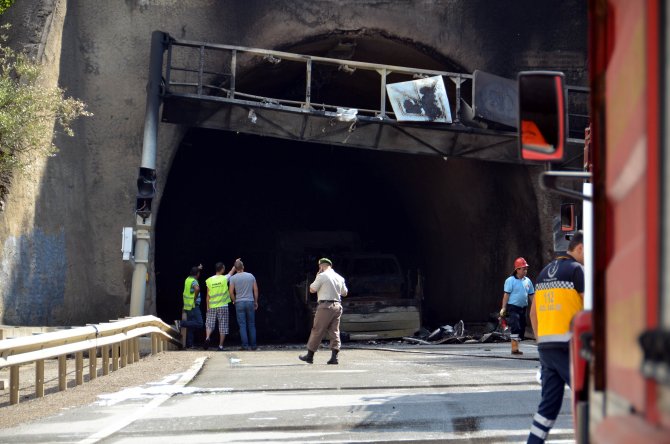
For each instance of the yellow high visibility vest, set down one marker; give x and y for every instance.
(218, 291)
(556, 301)
(189, 293)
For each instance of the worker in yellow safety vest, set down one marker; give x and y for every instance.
(191, 314)
(218, 298)
(559, 296)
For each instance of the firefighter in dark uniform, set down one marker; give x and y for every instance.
(559, 295)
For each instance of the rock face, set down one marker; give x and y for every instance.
(60, 228)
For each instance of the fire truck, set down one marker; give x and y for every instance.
(621, 342)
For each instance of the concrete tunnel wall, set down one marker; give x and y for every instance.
(60, 229)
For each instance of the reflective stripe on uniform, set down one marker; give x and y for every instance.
(555, 338)
(535, 430)
(543, 421)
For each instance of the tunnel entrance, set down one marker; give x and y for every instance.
(230, 195)
(460, 221)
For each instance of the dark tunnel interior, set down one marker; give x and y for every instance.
(232, 196)
(228, 195)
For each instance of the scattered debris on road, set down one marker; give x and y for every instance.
(457, 334)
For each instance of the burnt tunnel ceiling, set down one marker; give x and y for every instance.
(232, 195)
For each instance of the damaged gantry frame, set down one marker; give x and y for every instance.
(202, 89)
(226, 87)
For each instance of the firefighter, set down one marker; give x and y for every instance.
(518, 288)
(560, 295)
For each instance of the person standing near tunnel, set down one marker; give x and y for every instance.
(330, 288)
(560, 296)
(244, 294)
(218, 298)
(191, 314)
(518, 288)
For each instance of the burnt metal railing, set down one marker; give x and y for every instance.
(211, 71)
(201, 88)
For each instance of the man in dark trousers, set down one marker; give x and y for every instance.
(558, 297)
(191, 314)
(518, 288)
(329, 287)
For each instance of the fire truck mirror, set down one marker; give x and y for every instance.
(542, 119)
(567, 217)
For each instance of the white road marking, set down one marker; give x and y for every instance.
(127, 419)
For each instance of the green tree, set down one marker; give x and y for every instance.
(5, 4)
(29, 111)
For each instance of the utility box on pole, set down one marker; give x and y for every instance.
(127, 242)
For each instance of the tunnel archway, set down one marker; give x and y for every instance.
(228, 195)
(231, 195)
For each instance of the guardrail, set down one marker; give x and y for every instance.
(117, 341)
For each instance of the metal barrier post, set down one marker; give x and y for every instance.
(14, 384)
(124, 353)
(62, 373)
(131, 351)
(115, 357)
(79, 368)
(92, 363)
(105, 359)
(39, 378)
(154, 343)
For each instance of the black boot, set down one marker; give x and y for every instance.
(308, 358)
(333, 357)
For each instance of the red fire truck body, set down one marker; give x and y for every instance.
(621, 344)
(628, 397)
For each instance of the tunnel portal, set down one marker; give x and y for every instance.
(232, 195)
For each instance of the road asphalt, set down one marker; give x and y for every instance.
(390, 393)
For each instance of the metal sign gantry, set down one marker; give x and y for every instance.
(206, 85)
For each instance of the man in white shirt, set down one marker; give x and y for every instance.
(330, 288)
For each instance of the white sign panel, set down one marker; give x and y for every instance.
(422, 100)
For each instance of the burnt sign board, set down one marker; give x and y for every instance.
(496, 99)
(422, 100)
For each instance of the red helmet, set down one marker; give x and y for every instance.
(520, 262)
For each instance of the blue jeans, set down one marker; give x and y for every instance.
(246, 318)
(193, 322)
